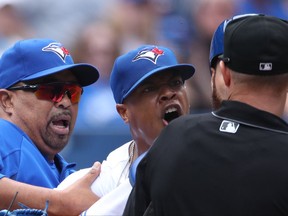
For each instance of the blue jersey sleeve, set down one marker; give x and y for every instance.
(10, 142)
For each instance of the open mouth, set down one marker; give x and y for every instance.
(61, 123)
(171, 114)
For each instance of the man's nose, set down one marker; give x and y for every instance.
(167, 92)
(66, 100)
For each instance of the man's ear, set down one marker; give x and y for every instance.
(226, 73)
(6, 102)
(123, 112)
(213, 71)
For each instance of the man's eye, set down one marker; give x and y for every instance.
(148, 89)
(177, 83)
(57, 90)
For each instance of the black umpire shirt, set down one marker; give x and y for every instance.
(230, 162)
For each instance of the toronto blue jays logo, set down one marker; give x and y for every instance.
(150, 54)
(58, 49)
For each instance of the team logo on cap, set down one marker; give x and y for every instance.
(151, 54)
(58, 49)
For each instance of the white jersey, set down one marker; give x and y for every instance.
(114, 171)
(113, 203)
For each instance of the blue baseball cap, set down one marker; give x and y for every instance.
(132, 68)
(217, 42)
(35, 58)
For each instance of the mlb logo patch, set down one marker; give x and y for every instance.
(229, 126)
(265, 66)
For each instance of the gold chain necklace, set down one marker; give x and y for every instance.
(131, 152)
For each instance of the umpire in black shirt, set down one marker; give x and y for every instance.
(234, 160)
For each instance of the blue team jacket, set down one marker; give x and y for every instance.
(20, 159)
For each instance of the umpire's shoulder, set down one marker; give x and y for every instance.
(190, 120)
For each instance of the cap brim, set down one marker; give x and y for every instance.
(185, 70)
(86, 74)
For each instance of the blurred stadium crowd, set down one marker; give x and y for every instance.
(97, 31)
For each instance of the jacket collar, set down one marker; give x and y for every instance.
(248, 115)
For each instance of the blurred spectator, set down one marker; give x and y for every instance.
(61, 20)
(206, 16)
(134, 22)
(171, 26)
(160, 22)
(13, 26)
(276, 8)
(97, 44)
